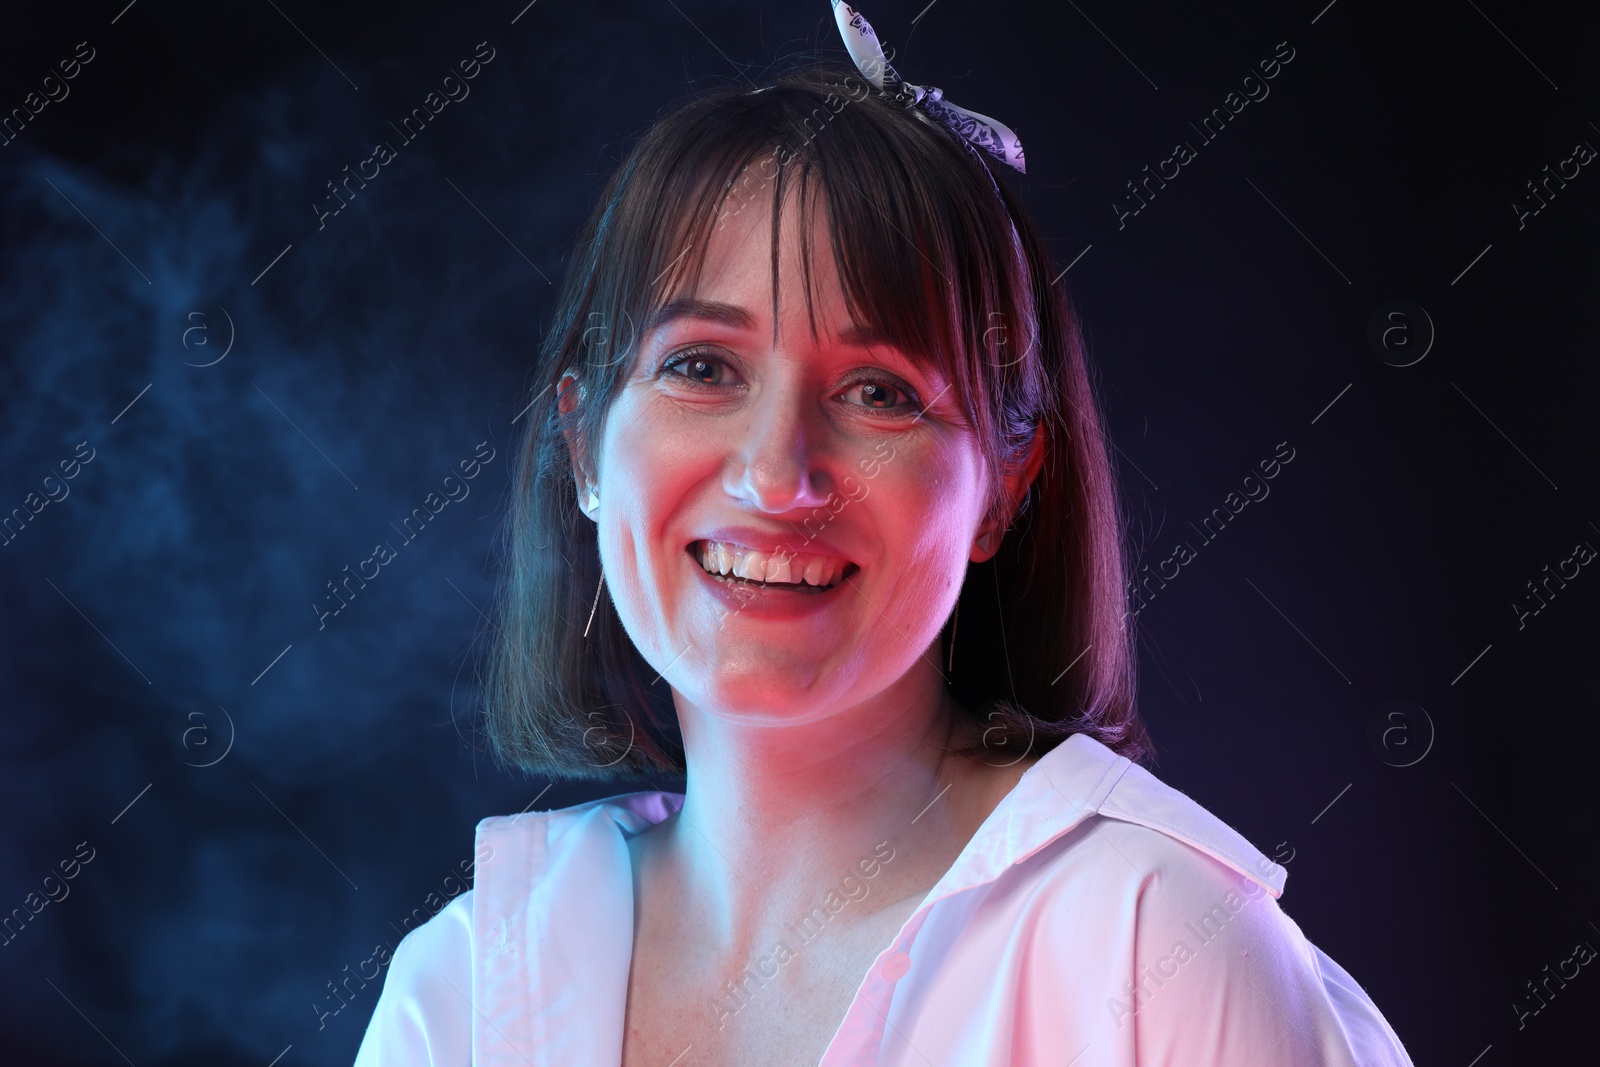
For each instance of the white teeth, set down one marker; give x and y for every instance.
(777, 568)
(753, 566)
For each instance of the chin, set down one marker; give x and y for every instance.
(764, 692)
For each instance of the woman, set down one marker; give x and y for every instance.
(815, 510)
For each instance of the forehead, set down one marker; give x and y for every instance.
(740, 286)
(781, 235)
(765, 261)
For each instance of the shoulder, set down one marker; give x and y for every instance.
(424, 1014)
(526, 868)
(1218, 972)
(630, 812)
(1112, 823)
(519, 855)
(1140, 798)
(1212, 969)
(1196, 963)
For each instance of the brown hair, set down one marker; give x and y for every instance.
(917, 221)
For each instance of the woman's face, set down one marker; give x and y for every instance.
(831, 466)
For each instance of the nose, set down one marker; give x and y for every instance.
(776, 464)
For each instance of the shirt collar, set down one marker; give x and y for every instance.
(1078, 778)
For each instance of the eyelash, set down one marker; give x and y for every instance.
(909, 395)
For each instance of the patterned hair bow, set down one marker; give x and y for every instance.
(977, 130)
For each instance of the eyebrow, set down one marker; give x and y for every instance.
(726, 314)
(738, 318)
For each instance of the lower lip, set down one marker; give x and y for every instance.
(766, 601)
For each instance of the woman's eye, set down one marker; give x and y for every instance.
(699, 368)
(881, 395)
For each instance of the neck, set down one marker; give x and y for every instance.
(777, 817)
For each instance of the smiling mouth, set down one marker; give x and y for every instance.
(799, 571)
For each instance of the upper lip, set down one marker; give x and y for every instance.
(791, 542)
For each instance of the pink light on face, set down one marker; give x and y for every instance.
(836, 446)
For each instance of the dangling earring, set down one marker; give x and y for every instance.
(954, 615)
(596, 605)
(591, 504)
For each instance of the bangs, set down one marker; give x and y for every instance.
(912, 242)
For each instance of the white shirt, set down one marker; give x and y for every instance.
(1098, 918)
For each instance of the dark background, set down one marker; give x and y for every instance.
(163, 609)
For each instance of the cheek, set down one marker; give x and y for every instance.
(649, 464)
(929, 511)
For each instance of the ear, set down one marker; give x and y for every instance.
(569, 393)
(1017, 483)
